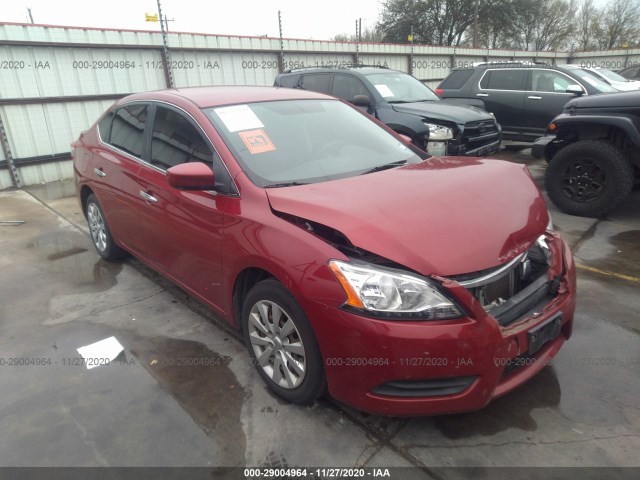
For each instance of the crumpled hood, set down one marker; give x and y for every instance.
(440, 109)
(444, 216)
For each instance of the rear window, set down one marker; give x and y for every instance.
(288, 81)
(104, 127)
(456, 79)
(503, 80)
(128, 128)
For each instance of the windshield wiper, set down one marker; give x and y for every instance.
(386, 166)
(285, 184)
(411, 101)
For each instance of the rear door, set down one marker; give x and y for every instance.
(545, 98)
(502, 90)
(183, 229)
(115, 170)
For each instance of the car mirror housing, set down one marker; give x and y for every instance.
(191, 176)
(361, 101)
(575, 89)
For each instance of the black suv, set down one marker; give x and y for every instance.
(406, 105)
(523, 96)
(593, 150)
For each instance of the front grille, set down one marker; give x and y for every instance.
(513, 289)
(424, 388)
(480, 134)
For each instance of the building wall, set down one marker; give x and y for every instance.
(55, 81)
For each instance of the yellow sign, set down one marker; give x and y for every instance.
(410, 38)
(150, 18)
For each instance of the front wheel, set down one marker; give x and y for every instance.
(281, 343)
(588, 178)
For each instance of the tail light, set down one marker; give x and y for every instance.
(439, 92)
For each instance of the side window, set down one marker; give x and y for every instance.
(318, 82)
(127, 129)
(630, 72)
(548, 81)
(347, 87)
(175, 140)
(104, 127)
(503, 79)
(457, 79)
(288, 81)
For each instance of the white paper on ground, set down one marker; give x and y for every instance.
(238, 117)
(100, 353)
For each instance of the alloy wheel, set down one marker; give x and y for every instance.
(97, 227)
(277, 344)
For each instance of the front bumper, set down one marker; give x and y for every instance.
(437, 367)
(539, 148)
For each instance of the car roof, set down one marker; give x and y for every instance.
(340, 69)
(215, 96)
(514, 64)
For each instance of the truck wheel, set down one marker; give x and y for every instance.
(588, 178)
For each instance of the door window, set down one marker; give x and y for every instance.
(347, 87)
(316, 82)
(175, 140)
(507, 79)
(548, 81)
(127, 129)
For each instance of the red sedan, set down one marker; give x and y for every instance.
(350, 260)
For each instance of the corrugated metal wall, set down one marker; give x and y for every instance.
(55, 81)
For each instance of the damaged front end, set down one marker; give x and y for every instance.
(517, 288)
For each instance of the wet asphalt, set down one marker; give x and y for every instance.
(183, 393)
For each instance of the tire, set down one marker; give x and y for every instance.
(100, 234)
(588, 178)
(285, 354)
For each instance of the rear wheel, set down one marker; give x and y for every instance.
(588, 178)
(100, 233)
(281, 343)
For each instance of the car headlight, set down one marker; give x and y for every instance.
(438, 132)
(392, 293)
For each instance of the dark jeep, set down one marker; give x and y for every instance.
(593, 150)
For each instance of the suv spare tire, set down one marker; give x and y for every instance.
(588, 178)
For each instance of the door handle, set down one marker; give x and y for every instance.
(149, 198)
(99, 172)
(482, 94)
(534, 97)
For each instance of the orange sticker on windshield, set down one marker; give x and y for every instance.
(257, 141)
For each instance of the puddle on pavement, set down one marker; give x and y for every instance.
(71, 257)
(510, 411)
(53, 190)
(204, 385)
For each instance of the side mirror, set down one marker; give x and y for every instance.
(361, 101)
(191, 176)
(575, 89)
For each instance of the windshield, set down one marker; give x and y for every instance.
(289, 142)
(613, 76)
(594, 81)
(397, 87)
